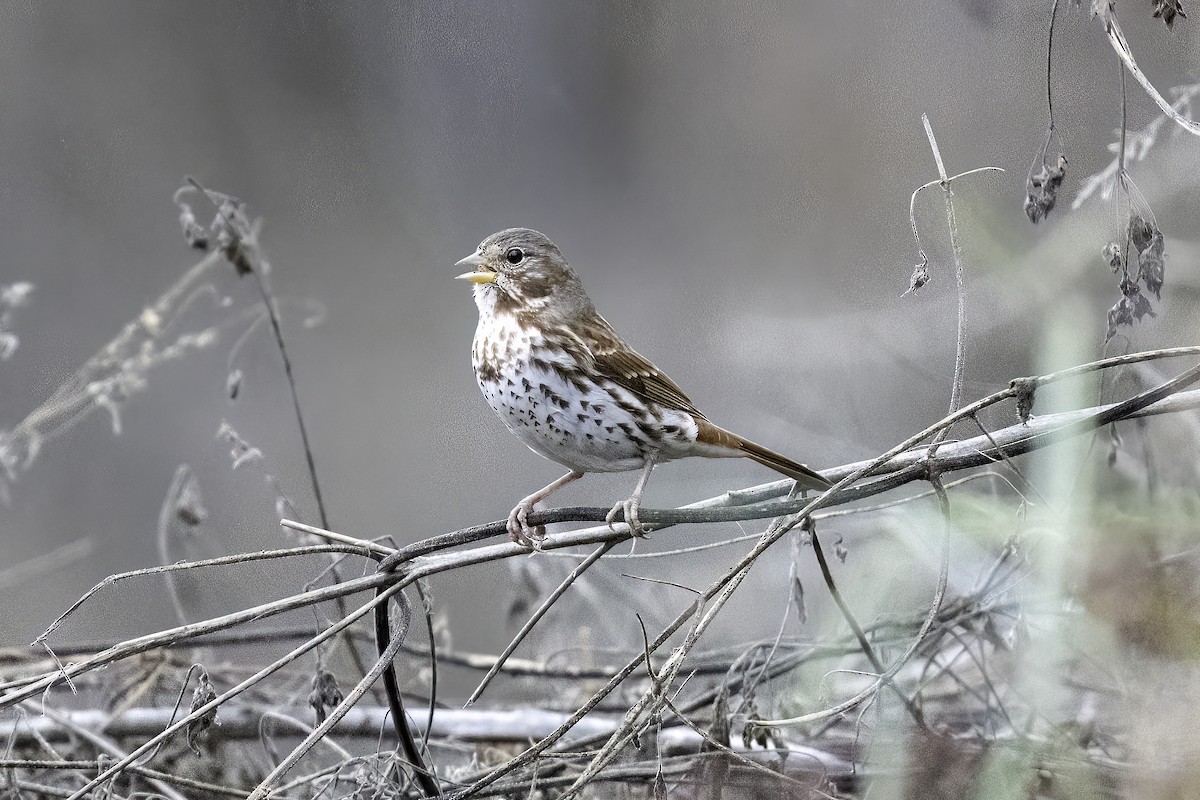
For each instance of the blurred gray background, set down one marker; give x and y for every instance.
(732, 181)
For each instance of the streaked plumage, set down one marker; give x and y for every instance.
(568, 386)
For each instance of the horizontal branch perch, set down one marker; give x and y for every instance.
(907, 461)
(747, 504)
(752, 503)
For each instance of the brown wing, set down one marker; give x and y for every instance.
(626, 367)
(623, 365)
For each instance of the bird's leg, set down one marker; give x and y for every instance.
(629, 508)
(518, 526)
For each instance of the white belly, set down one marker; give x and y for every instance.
(584, 427)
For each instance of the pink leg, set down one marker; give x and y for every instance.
(518, 527)
(629, 508)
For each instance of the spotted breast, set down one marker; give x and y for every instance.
(531, 377)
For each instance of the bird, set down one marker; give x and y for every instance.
(570, 388)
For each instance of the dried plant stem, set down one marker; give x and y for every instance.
(979, 451)
(733, 577)
(221, 561)
(248, 247)
(960, 349)
(1049, 91)
(424, 775)
(104, 745)
(374, 547)
(537, 615)
(335, 716)
(903, 462)
(243, 721)
(120, 367)
(1114, 361)
(863, 643)
(216, 702)
(1124, 126)
(939, 597)
(912, 200)
(23, 689)
(1116, 38)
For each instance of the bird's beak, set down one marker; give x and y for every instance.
(478, 273)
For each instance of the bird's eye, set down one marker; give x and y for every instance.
(515, 255)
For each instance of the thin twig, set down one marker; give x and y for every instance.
(1049, 63)
(723, 587)
(374, 547)
(216, 702)
(1116, 38)
(105, 745)
(939, 596)
(221, 561)
(1124, 124)
(905, 466)
(222, 204)
(912, 200)
(537, 616)
(335, 715)
(848, 615)
(960, 351)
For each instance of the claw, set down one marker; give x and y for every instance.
(520, 531)
(627, 510)
(518, 519)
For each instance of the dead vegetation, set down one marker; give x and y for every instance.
(1029, 619)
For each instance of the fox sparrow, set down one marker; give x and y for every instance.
(567, 385)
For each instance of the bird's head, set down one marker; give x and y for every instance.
(520, 270)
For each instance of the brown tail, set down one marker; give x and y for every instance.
(807, 478)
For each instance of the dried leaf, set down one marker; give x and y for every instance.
(1037, 204)
(1151, 269)
(1151, 265)
(325, 693)
(189, 505)
(1141, 304)
(718, 728)
(755, 734)
(203, 694)
(1167, 10)
(1141, 231)
(1113, 256)
(920, 277)
(798, 599)
(233, 384)
(193, 233)
(1132, 307)
(1041, 190)
(1025, 388)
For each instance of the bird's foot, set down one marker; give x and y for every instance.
(519, 529)
(628, 510)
